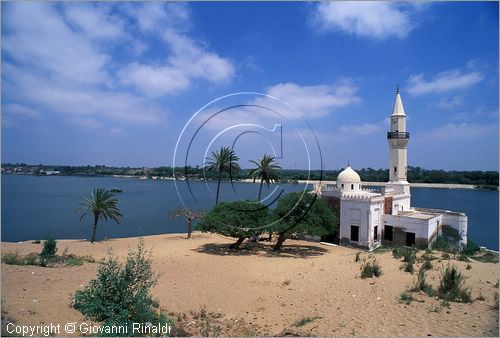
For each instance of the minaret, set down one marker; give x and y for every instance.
(398, 140)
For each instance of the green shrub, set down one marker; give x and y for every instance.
(409, 257)
(14, 258)
(49, 249)
(406, 298)
(305, 321)
(119, 295)
(421, 284)
(487, 257)
(442, 244)
(370, 269)
(468, 266)
(463, 257)
(408, 267)
(471, 248)
(427, 265)
(36, 241)
(356, 258)
(427, 256)
(451, 287)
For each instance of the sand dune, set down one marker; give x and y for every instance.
(256, 291)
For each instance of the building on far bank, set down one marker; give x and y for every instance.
(369, 218)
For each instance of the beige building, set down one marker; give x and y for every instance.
(370, 218)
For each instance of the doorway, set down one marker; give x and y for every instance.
(410, 239)
(354, 233)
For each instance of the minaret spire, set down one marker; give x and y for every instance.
(398, 104)
(398, 141)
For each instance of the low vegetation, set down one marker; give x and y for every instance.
(406, 298)
(422, 285)
(452, 288)
(305, 321)
(46, 258)
(120, 295)
(486, 256)
(409, 256)
(370, 269)
(427, 265)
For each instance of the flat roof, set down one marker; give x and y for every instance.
(417, 214)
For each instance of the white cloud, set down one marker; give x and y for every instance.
(19, 109)
(154, 80)
(77, 100)
(450, 103)
(362, 129)
(196, 62)
(154, 16)
(373, 19)
(312, 101)
(95, 22)
(47, 44)
(86, 123)
(61, 58)
(116, 130)
(187, 59)
(453, 131)
(443, 82)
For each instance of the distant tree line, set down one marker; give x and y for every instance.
(482, 179)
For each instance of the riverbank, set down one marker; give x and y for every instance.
(249, 180)
(412, 185)
(308, 288)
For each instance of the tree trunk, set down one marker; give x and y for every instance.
(280, 241)
(260, 188)
(270, 237)
(96, 218)
(237, 244)
(190, 228)
(218, 187)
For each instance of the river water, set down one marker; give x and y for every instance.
(35, 206)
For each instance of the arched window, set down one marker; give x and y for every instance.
(342, 185)
(352, 186)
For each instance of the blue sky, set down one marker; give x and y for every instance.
(116, 83)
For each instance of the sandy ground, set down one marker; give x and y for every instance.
(266, 293)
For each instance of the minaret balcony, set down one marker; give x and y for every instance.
(398, 135)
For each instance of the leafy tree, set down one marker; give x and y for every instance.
(238, 219)
(266, 171)
(190, 215)
(222, 161)
(302, 213)
(101, 204)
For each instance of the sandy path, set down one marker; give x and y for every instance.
(269, 291)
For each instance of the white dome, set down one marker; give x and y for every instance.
(348, 176)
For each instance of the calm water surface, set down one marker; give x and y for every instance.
(35, 206)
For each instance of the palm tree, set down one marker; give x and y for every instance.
(222, 161)
(267, 171)
(101, 204)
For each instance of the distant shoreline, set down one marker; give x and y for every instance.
(248, 180)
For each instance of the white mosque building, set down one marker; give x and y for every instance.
(369, 219)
